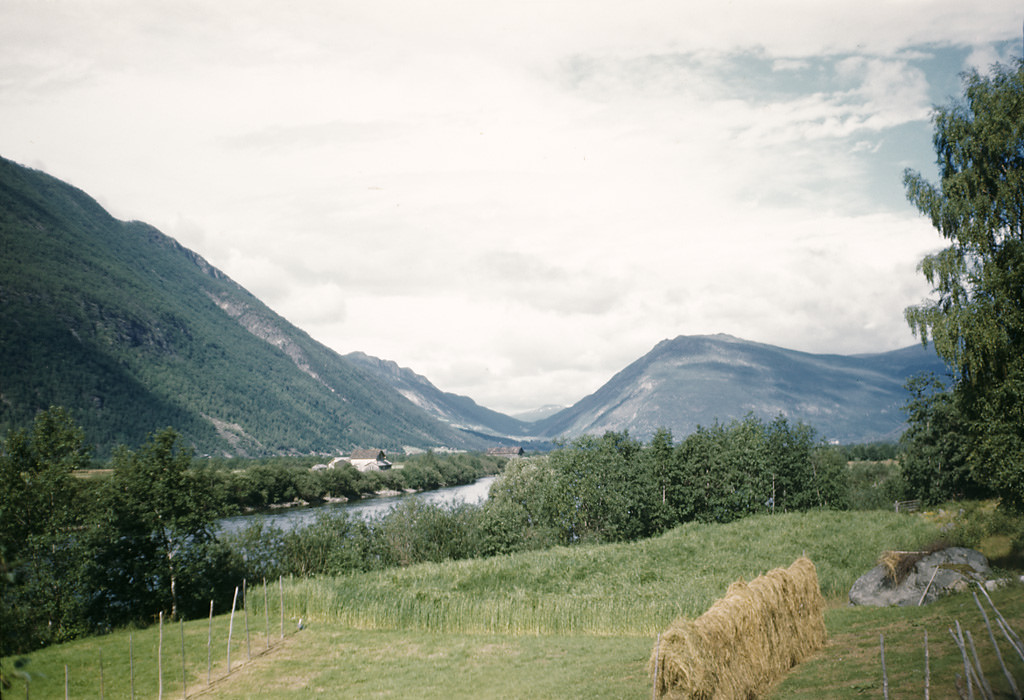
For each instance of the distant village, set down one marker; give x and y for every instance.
(367, 460)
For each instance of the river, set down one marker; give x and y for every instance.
(298, 517)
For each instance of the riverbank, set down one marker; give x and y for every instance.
(376, 506)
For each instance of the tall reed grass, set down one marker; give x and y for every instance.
(616, 589)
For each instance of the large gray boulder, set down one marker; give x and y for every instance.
(935, 575)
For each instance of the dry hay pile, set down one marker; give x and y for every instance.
(899, 565)
(746, 641)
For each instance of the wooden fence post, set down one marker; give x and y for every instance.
(983, 683)
(245, 616)
(231, 626)
(885, 675)
(131, 668)
(209, 646)
(999, 654)
(184, 673)
(160, 659)
(958, 637)
(927, 668)
(266, 610)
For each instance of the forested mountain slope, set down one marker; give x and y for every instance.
(132, 332)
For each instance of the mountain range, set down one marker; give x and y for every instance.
(133, 332)
(693, 381)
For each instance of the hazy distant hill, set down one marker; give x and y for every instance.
(695, 380)
(133, 332)
(538, 414)
(460, 412)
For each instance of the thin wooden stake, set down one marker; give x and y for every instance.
(921, 602)
(999, 654)
(160, 659)
(963, 653)
(1006, 633)
(100, 652)
(280, 587)
(209, 646)
(885, 675)
(1000, 615)
(927, 668)
(184, 674)
(231, 627)
(66, 694)
(1010, 635)
(245, 616)
(131, 668)
(266, 610)
(986, 688)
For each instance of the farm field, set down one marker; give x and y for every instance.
(567, 622)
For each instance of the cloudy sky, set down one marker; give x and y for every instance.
(515, 199)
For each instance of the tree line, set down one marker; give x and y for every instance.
(611, 488)
(83, 555)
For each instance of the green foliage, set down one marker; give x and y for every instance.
(875, 485)
(415, 532)
(868, 452)
(40, 541)
(155, 533)
(934, 457)
(259, 483)
(977, 320)
(726, 472)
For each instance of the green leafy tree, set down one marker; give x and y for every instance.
(660, 457)
(831, 478)
(934, 462)
(722, 473)
(976, 320)
(524, 507)
(608, 492)
(40, 546)
(159, 524)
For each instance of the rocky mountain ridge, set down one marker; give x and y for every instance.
(692, 381)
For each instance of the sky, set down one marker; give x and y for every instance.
(515, 199)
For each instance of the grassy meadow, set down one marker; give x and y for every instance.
(566, 622)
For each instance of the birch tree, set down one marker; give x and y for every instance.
(976, 316)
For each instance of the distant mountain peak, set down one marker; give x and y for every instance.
(689, 381)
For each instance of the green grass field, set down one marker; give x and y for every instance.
(568, 622)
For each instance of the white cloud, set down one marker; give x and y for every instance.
(513, 199)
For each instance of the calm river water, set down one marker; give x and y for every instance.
(292, 518)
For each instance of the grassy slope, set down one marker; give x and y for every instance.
(570, 622)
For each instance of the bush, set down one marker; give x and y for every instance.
(875, 485)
